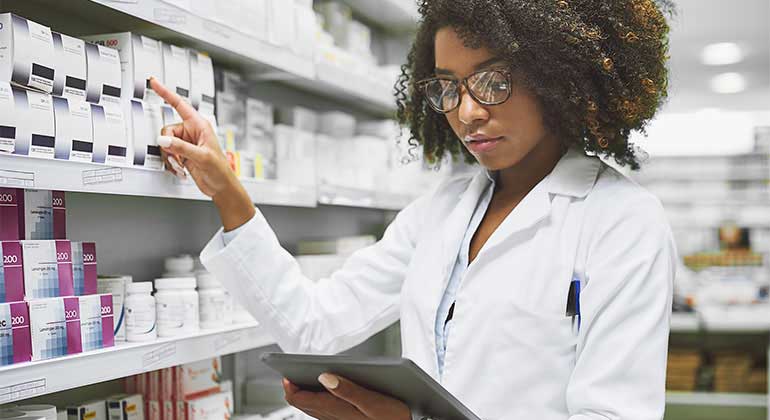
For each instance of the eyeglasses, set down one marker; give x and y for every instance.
(487, 87)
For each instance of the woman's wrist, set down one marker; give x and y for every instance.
(234, 205)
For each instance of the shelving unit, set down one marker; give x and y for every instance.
(165, 21)
(26, 172)
(32, 379)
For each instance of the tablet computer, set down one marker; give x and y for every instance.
(396, 377)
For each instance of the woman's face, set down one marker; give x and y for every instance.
(499, 136)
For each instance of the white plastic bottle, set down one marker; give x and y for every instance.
(216, 305)
(140, 309)
(176, 303)
(179, 266)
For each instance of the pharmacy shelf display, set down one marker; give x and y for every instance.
(47, 174)
(169, 21)
(32, 379)
(716, 399)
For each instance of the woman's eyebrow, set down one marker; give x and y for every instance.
(484, 64)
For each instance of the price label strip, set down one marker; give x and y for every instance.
(22, 390)
(159, 354)
(19, 179)
(102, 176)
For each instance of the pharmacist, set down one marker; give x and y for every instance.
(538, 287)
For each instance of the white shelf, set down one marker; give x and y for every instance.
(31, 379)
(684, 322)
(716, 399)
(215, 38)
(389, 14)
(352, 197)
(48, 174)
(370, 93)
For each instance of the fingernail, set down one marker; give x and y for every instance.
(165, 141)
(329, 381)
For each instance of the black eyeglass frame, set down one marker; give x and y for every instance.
(422, 86)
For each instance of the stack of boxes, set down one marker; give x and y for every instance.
(65, 98)
(48, 285)
(193, 391)
(682, 370)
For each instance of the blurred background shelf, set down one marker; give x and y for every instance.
(353, 197)
(716, 399)
(390, 14)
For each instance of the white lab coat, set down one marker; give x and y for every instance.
(512, 354)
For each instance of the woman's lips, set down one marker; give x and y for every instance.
(482, 144)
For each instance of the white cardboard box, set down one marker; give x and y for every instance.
(47, 268)
(116, 286)
(35, 135)
(95, 410)
(104, 74)
(109, 133)
(9, 124)
(26, 53)
(176, 69)
(70, 78)
(140, 58)
(74, 129)
(125, 407)
(145, 120)
(55, 326)
(202, 82)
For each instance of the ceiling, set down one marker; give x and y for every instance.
(702, 22)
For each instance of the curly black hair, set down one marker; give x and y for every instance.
(597, 67)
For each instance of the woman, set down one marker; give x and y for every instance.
(539, 287)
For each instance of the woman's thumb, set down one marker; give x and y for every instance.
(179, 147)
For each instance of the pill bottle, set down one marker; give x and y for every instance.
(139, 308)
(176, 303)
(216, 305)
(179, 266)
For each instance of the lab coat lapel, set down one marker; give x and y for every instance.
(457, 223)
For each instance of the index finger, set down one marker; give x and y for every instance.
(185, 110)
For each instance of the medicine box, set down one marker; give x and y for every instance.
(176, 69)
(9, 121)
(35, 135)
(84, 276)
(104, 74)
(47, 269)
(116, 286)
(202, 82)
(213, 407)
(109, 133)
(140, 59)
(96, 322)
(125, 407)
(11, 272)
(15, 340)
(55, 324)
(70, 61)
(74, 130)
(94, 410)
(32, 214)
(199, 378)
(144, 126)
(26, 53)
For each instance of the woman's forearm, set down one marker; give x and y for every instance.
(234, 205)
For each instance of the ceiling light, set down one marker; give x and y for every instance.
(728, 83)
(721, 54)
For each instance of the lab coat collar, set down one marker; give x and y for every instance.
(574, 175)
